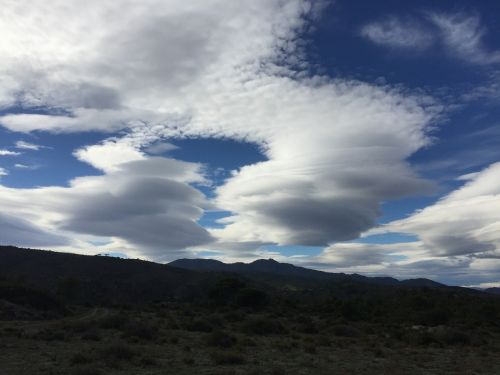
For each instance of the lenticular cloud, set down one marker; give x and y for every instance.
(222, 69)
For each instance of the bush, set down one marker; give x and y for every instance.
(450, 336)
(114, 321)
(79, 359)
(227, 358)
(345, 331)
(91, 335)
(224, 290)
(435, 317)
(221, 339)
(262, 326)
(198, 325)
(87, 371)
(306, 325)
(117, 352)
(249, 297)
(139, 330)
(50, 335)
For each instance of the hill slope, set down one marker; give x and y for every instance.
(98, 279)
(270, 266)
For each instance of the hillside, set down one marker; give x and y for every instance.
(271, 266)
(94, 315)
(98, 279)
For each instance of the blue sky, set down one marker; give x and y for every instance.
(351, 136)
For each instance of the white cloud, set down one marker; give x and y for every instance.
(19, 232)
(466, 221)
(147, 204)
(220, 69)
(160, 148)
(23, 145)
(329, 147)
(463, 35)
(398, 33)
(24, 166)
(9, 153)
(3, 172)
(109, 155)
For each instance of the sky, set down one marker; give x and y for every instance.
(346, 136)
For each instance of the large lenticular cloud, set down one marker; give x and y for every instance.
(211, 68)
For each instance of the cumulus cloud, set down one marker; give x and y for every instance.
(3, 172)
(394, 32)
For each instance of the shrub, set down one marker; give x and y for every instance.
(435, 317)
(310, 348)
(224, 290)
(114, 321)
(220, 339)
(227, 358)
(50, 335)
(234, 316)
(198, 325)
(345, 331)
(262, 326)
(87, 371)
(249, 297)
(91, 335)
(79, 359)
(139, 330)
(351, 310)
(117, 352)
(147, 361)
(450, 336)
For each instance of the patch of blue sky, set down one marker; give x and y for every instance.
(52, 165)
(210, 218)
(387, 238)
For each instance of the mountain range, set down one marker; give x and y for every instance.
(110, 280)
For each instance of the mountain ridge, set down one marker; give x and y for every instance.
(287, 269)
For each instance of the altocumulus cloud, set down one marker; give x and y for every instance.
(335, 148)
